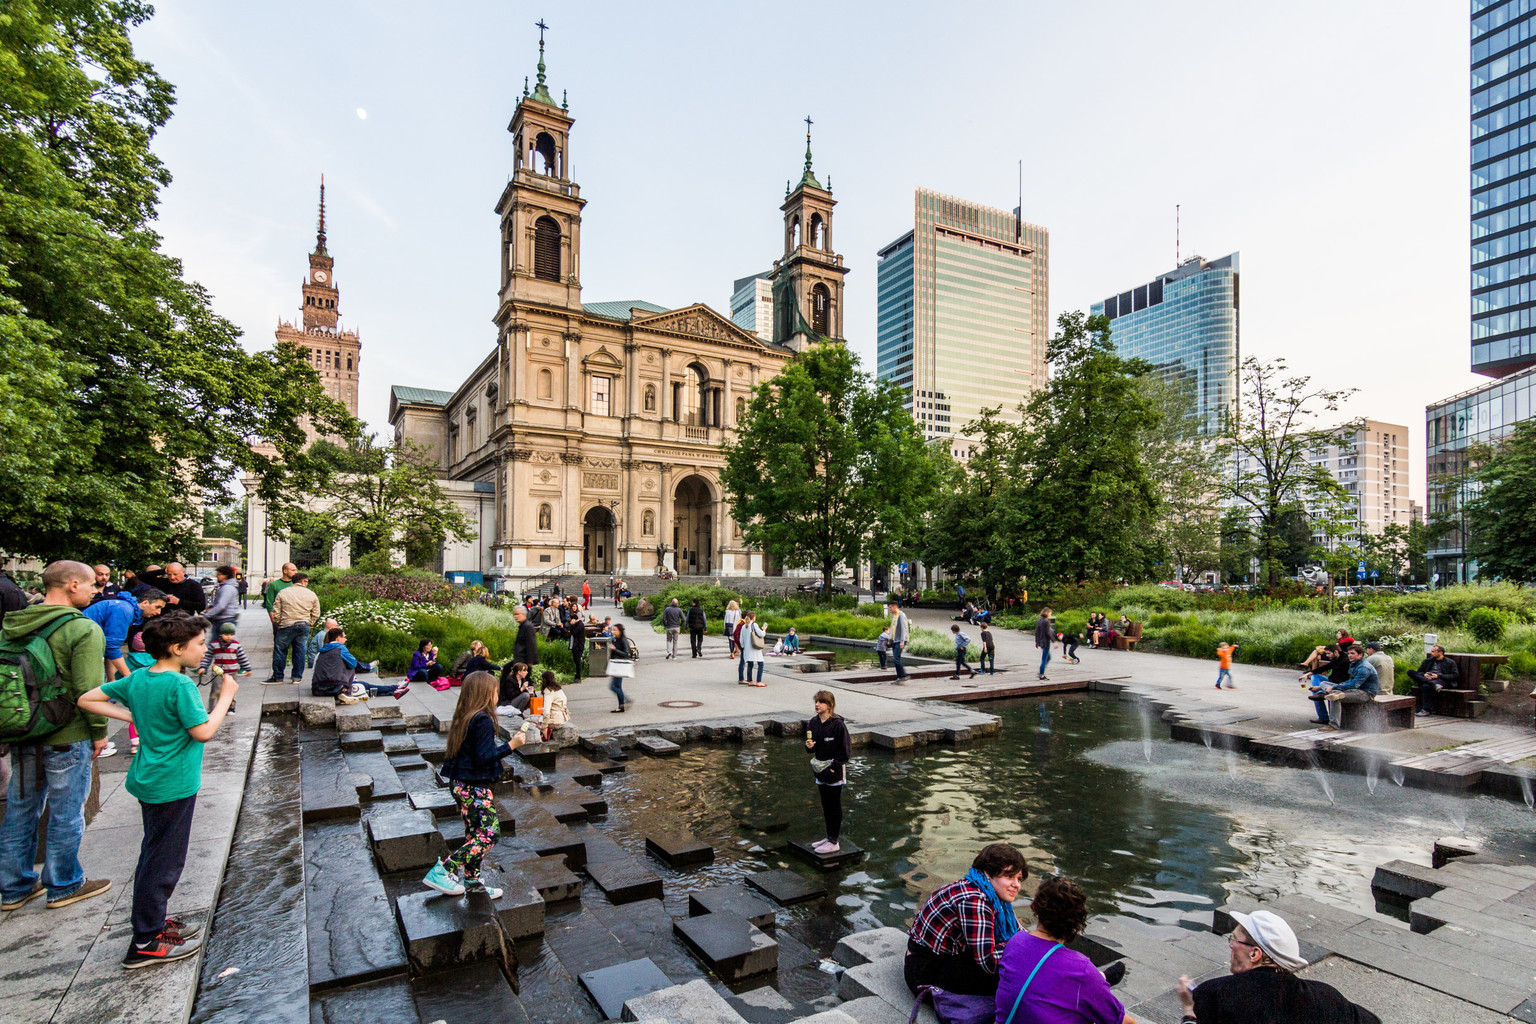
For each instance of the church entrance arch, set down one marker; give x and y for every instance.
(597, 538)
(693, 524)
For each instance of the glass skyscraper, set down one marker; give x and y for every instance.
(1503, 140)
(962, 319)
(1185, 323)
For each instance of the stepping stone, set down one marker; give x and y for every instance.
(398, 743)
(550, 878)
(439, 801)
(385, 710)
(644, 929)
(406, 759)
(431, 746)
(565, 811)
(848, 854)
(622, 878)
(875, 944)
(658, 747)
(452, 831)
(582, 942)
(353, 719)
(735, 899)
(537, 756)
(479, 992)
(538, 831)
(785, 887)
(610, 987)
(326, 787)
(696, 1002)
(368, 739)
(446, 931)
(679, 851)
(521, 906)
(405, 840)
(373, 763)
(587, 776)
(733, 947)
(609, 767)
(389, 1000)
(351, 935)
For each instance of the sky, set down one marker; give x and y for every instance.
(1325, 141)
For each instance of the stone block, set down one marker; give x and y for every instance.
(368, 739)
(644, 929)
(538, 755)
(785, 887)
(694, 1003)
(833, 1016)
(892, 738)
(353, 718)
(1406, 879)
(783, 723)
(875, 944)
(352, 935)
(622, 877)
(326, 787)
(372, 763)
(550, 878)
(733, 947)
(734, 899)
(586, 774)
(387, 1000)
(398, 743)
(679, 851)
(848, 853)
(439, 801)
(874, 1010)
(883, 980)
(520, 908)
(405, 840)
(448, 931)
(479, 992)
(315, 711)
(538, 832)
(386, 711)
(431, 746)
(611, 987)
(655, 746)
(1449, 848)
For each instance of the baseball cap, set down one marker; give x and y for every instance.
(1271, 934)
(227, 629)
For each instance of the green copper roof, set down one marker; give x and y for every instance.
(808, 178)
(620, 310)
(540, 90)
(419, 396)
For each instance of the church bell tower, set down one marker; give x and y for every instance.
(335, 353)
(540, 209)
(808, 280)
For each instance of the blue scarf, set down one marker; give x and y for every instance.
(1007, 921)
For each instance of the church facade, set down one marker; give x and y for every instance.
(594, 429)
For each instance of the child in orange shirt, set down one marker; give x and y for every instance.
(1224, 659)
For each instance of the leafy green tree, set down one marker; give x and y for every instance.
(828, 467)
(127, 397)
(1501, 516)
(1186, 469)
(380, 498)
(1270, 444)
(225, 520)
(963, 535)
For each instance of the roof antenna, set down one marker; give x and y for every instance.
(1175, 235)
(1018, 213)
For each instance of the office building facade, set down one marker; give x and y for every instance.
(1185, 323)
(1503, 285)
(752, 304)
(963, 317)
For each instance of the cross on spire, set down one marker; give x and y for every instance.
(542, 29)
(540, 89)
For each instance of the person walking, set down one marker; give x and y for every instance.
(243, 586)
(753, 645)
(883, 646)
(226, 602)
(1045, 635)
(731, 618)
(988, 650)
(1224, 664)
(900, 629)
(54, 769)
(578, 645)
(621, 664)
(526, 647)
(586, 594)
(962, 642)
(672, 622)
(827, 739)
(697, 623)
(293, 611)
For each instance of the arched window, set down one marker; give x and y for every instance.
(821, 310)
(690, 398)
(544, 149)
(650, 398)
(794, 234)
(818, 231)
(349, 362)
(546, 384)
(546, 518)
(546, 249)
(648, 523)
(741, 409)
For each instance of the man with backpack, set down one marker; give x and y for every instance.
(60, 652)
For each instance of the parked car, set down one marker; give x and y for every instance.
(814, 587)
(1343, 591)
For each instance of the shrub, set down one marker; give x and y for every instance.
(556, 655)
(1162, 620)
(930, 643)
(1522, 665)
(873, 611)
(1487, 624)
(395, 615)
(838, 624)
(374, 641)
(1071, 622)
(630, 604)
(712, 597)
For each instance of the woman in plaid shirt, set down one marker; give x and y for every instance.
(958, 936)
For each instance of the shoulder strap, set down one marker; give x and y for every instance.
(1025, 988)
(48, 630)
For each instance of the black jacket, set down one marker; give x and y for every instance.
(1448, 671)
(1044, 635)
(189, 595)
(1265, 995)
(526, 648)
(478, 759)
(12, 597)
(832, 744)
(696, 619)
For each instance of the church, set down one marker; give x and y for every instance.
(592, 430)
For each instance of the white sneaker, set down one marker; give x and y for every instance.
(108, 750)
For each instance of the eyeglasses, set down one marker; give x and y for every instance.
(1235, 941)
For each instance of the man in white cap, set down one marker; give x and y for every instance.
(1261, 988)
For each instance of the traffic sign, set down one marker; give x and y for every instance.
(1361, 566)
(902, 566)
(1375, 573)
(1359, 574)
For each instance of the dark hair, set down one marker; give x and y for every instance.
(1061, 908)
(163, 632)
(227, 571)
(423, 645)
(301, 577)
(332, 634)
(1000, 859)
(151, 595)
(549, 682)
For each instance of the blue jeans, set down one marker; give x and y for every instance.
(1226, 674)
(616, 687)
(378, 689)
(1045, 658)
(65, 784)
(988, 658)
(744, 671)
(901, 670)
(289, 639)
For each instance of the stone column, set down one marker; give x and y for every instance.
(570, 494)
(664, 517)
(664, 400)
(728, 414)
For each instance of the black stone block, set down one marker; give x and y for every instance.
(609, 987)
(537, 756)
(431, 746)
(537, 830)
(368, 739)
(439, 801)
(622, 877)
(447, 931)
(847, 854)
(373, 763)
(582, 942)
(399, 743)
(388, 1000)
(554, 881)
(785, 887)
(352, 935)
(520, 908)
(452, 831)
(734, 899)
(679, 851)
(406, 758)
(731, 945)
(658, 747)
(479, 992)
(644, 929)
(326, 787)
(404, 840)
(583, 775)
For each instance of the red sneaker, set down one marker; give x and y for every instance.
(162, 949)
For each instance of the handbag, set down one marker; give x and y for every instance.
(955, 1007)
(621, 667)
(757, 639)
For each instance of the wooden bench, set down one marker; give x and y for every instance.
(1465, 701)
(1130, 637)
(1382, 714)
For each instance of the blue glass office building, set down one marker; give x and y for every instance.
(1503, 335)
(1185, 323)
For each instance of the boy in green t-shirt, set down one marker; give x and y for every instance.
(164, 705)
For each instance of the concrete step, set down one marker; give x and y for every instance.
(550, 877)
(694, 1003)
(736, 899)
(622, 877)
(450, 931)
(880, 979)
(327, 787)
(875, 944)
(405, 840)
(784, 887)
(679, 851)
(730, 945)
(611, 987)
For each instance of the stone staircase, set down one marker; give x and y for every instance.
(649, 584)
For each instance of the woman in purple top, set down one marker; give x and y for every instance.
(424, 666)
(1041, 981)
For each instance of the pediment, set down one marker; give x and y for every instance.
(697, 321)
(602, 357)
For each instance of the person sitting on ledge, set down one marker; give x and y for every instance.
(425, 668)
(1435, 672)
(1041, 981)
(336, 671)
(956, 939)
(1360, 688)
(1261, 988)
(791, 642)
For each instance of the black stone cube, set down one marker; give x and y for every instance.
(404, 840)
(785, 887)
(609, 987)
(732, 946)
(679, 851)
(447, 931)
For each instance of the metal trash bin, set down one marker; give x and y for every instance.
(598, 650)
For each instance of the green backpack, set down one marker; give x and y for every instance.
(34, 698)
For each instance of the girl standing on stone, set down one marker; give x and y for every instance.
(826, 737)
(471, 763)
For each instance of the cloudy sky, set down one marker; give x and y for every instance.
(1326, 141)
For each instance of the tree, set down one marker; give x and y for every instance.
(225, 520)
(1271, 446)
(379, 498)
(828, 467)
(127, 397)
(963, 535)
(1185, 468)
(1501, 515)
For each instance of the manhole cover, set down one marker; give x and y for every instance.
(682, 704)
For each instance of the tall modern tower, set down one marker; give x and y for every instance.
(1185, 323)
(963, 313)
(1503, 271)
